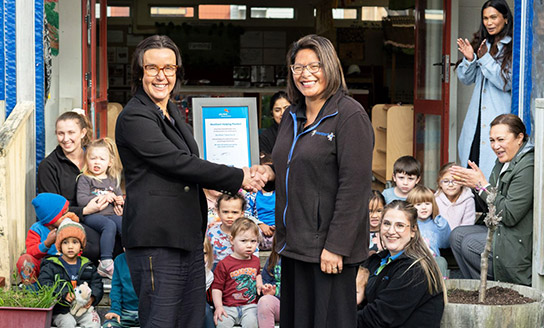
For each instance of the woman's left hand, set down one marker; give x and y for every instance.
(472, 178)
(331, 263)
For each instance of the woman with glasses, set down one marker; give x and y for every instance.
(455, 202)
(510, 259)
(405, 287)
(322, 162)
(165, 213)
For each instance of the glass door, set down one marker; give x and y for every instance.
(431, 90)
(94, 62)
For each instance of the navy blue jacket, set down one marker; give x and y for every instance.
(323, 182)
(52, 267)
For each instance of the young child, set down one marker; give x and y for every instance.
(434, 229)
(237, 280)
(375, 208)
(455, 202)
(124, 301)
(71, 267)
(230, 208)
(268, 308)
(406, 175)
(51, 210)
(102, 177)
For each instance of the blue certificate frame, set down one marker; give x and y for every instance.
(226, 130)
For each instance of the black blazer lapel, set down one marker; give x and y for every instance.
(183, 128)
(180, 136)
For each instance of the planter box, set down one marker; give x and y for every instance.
(25, 317)
(492, 316)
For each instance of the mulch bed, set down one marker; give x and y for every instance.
(493, 296)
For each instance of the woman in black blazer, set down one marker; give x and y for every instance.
(165, 209)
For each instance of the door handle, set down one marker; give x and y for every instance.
(445, 64)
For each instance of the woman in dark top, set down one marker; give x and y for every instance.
(405, 287)
(323, 183)
(58, 173)
(165, 213)
(278, 105)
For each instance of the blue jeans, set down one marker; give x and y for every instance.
(108, 226)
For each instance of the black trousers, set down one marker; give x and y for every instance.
(311, 298)
(170, 284)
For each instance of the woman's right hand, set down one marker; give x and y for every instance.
(96, 204)
(466, 49)
(255, 178)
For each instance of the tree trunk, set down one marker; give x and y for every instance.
(484, 263)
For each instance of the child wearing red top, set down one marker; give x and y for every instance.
(237, 279)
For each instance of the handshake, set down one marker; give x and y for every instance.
(256, 177)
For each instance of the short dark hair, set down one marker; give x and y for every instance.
(408, 165)
(514, 123)
(235, 196)
(376, 196)
(330, 65)
(153, 42)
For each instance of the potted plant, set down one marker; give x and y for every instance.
(21, 306)
(480, 315)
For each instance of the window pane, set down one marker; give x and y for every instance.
(373, 13)
(273, 13)
(227, 12)
(342, 13)
(172, 11)
(428, 146)
(118, 11)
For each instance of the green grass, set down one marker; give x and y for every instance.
(43, 297)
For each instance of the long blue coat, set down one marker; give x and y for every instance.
(496, 100)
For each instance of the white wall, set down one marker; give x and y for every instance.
(66, 89)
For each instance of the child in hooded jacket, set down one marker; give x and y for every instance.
(455, 202)
(71, 267)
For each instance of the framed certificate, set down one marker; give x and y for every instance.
(226, 130)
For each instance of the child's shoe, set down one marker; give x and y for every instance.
(105, 268)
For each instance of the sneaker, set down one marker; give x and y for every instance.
(105, 268)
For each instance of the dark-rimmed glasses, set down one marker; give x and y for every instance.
(154, 70)
(313, 68)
